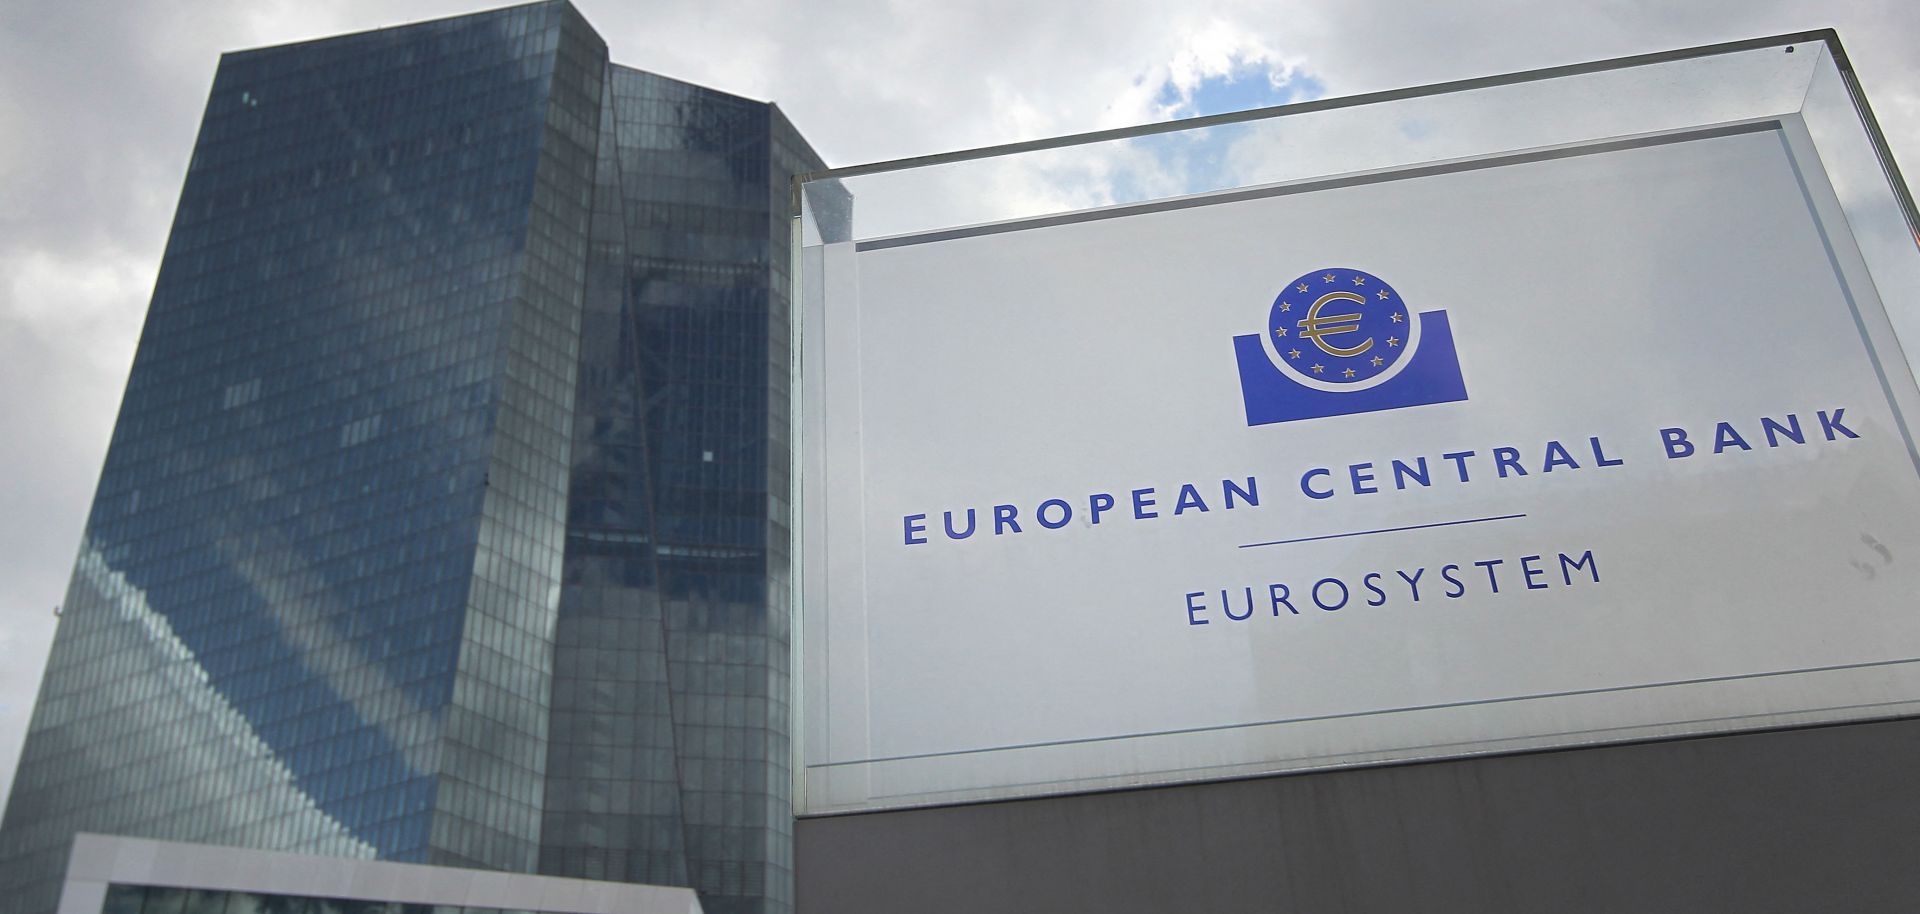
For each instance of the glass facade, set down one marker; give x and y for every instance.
(444, 520)
(669, 755)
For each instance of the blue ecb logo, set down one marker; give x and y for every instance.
(1342, 341)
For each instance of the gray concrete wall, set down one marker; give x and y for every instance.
(1822, 819)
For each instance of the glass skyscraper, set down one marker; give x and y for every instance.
(445, 516)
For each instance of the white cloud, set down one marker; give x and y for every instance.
(67, 293)
(1216, 49)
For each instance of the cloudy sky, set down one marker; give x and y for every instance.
(100, 100)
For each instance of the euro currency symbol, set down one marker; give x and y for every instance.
(1317, 327)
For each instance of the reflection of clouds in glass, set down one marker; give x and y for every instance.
(200, 774)
(263, 556)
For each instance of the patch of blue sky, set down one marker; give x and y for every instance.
(1196, 160)
(1247, 86)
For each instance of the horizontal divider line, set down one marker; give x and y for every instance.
(1335, 536)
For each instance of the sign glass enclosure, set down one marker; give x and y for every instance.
(1551, 409)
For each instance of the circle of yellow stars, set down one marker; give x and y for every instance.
(1398, 317)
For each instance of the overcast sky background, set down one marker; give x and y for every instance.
(100, 101)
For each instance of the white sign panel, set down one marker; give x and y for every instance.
(1567, 446)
